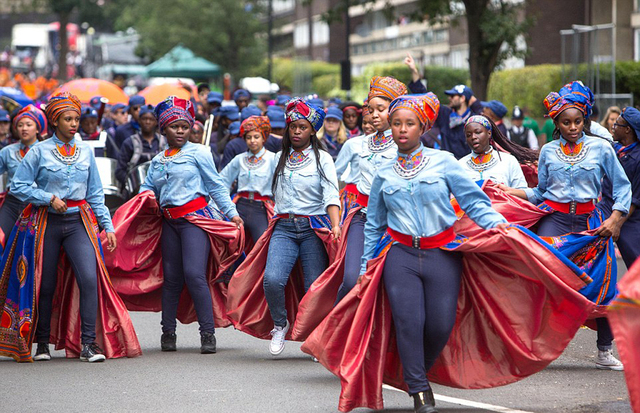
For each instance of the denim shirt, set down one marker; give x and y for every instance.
(350, 155)
(503, 168)
(251, 178)
(419, 204)
(560, 181)
(77, 181)
(186, 176)
(302, 191)
(10, 159)
(371, 160)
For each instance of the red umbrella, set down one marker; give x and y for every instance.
(155, 94)
(85, 89)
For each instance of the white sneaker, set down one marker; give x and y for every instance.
(607, 361)
(278, 335)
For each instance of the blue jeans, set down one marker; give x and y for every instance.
(291, 239)
(254, 215)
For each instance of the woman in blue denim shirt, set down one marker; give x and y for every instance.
(410, 199)
(182, 178)
(304, 185)
(570, 173)
(30, 123)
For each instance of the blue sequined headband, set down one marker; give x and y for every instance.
(479, 119)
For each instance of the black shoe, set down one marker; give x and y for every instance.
(92, 353)
(168, 342)
(42, 352)
(207, 343)
(423, 402)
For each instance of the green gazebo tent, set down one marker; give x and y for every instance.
(182, 62)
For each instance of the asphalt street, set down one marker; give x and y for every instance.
(242, 377)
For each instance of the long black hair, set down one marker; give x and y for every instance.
(501, 142)
(316, 146)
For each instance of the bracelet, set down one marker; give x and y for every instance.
(53, 198)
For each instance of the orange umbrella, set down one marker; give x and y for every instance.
(157, 93)
(85, 89)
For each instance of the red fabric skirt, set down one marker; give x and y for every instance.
(518, 308)
(136, 265)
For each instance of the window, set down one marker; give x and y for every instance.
(320, 33)
(301, 35)
(636, 45)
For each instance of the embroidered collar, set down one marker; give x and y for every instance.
(22, 151)
(408, 166)
(67, 153)
(482, 162)
(171, 154)
(298, 160)
(380, 141)
(572, 153)
(254, 161)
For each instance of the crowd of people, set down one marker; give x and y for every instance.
(412, 241)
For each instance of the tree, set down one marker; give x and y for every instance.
(493, 27)
(223, 31)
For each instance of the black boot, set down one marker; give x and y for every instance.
(423, 402)
(168, 342)
(207, 343)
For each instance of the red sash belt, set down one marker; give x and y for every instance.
(423, 243)
(73, 203)
(351, 188)
(362, 200)
(179, 212)
(292, 216)
(573, 207)
(253, 196)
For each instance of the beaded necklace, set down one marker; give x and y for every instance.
(66, 153)
(408, 168)
(572, 153)
(483, 161)
(379, 142)
(297, 160)
(253, 161)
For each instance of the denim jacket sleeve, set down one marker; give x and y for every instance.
(376, 223)
(343, 159)
(231, 171)
(535, 195)
(95, 197)
(214, 184)
(330, 195)
(22, 184)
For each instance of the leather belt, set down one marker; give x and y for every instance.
(292, 216)
(423, 243)
(253, 196)
(180, 211)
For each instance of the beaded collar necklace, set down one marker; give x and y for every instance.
(66, 153)
(408, 168)
(572, 153)
(170, 155)
(483, 161)
(297, 160)
(379, 142)
(252, 161)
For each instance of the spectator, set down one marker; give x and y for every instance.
(131, 127)
(520, 134)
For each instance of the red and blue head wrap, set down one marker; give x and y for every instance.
(573, 95)
(60, 103)
(425, 107)
(35, 114)
(299, 109)
(173, 109)
(479, 119)
(257, 123)
(386, 87)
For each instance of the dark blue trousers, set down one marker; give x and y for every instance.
(185, 255)
(9, 214)
(353, 254)
(68, 231)
(423, 287)
(254, 215)
(559, 223)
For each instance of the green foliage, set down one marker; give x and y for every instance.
(289, 73)
(526, 87)
(222, 31)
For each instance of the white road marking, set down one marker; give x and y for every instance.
(468, 403)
